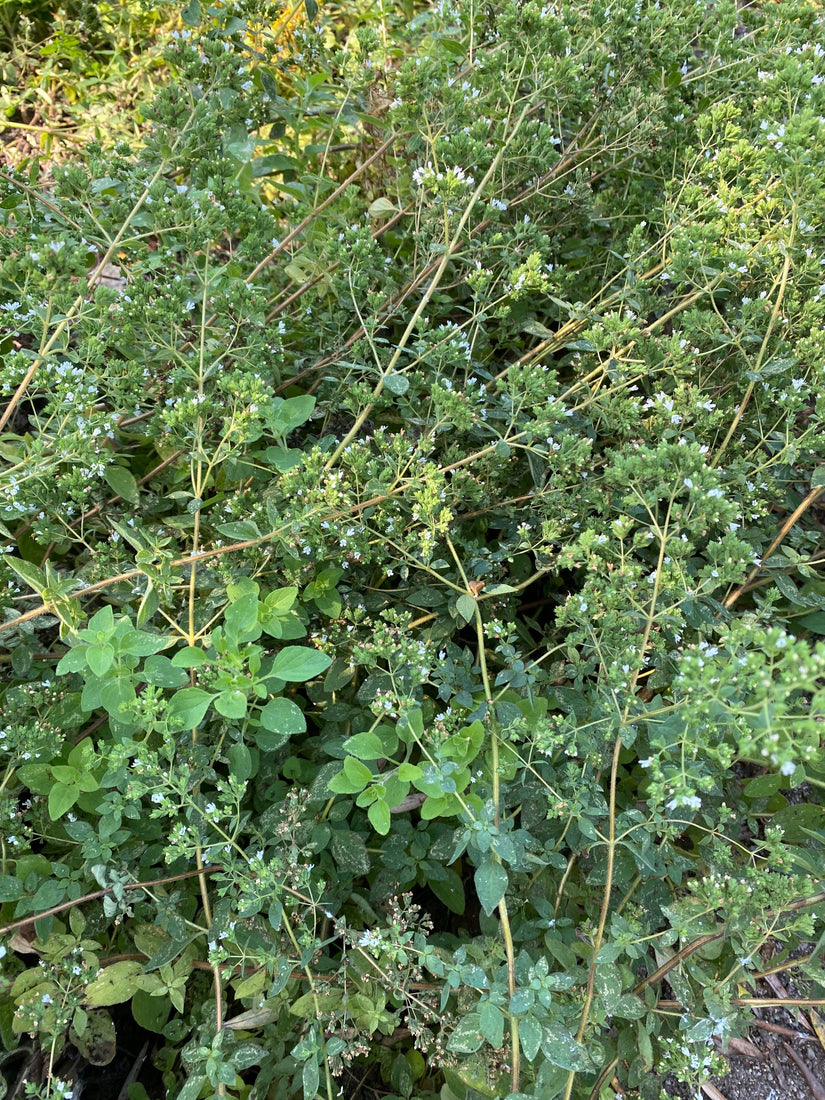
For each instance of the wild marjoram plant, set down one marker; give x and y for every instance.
(411, 587)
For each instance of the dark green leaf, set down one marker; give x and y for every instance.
(10, 888)
(310, 1078)
(559, 1046)
(191, 15)
(350, 852)
(530, 1034)
(240, 531)
(150, 1012)
(491, 884)
(466, 1037)
(466, 607)
(492, 1024)
(282, 716)
(122, 483)
(814, 621)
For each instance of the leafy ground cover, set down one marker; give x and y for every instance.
(412, 453)
(69, 75)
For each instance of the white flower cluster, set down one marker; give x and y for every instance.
(427, 176)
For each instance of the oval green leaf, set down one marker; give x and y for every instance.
(297, 663)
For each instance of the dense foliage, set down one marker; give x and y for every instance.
(411, 455)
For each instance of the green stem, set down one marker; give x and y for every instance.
(449, 252)
(503, 913)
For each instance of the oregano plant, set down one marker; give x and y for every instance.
(412, 613)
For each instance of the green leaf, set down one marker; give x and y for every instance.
(645, 1044)
(466, 1037)
(466, 607)
(48, 894)
(238, 143)
(449, 889)
(311, 8)
(350, 852)
(141, 643)
(231, 703)
(814, 621)
(491, 884)
(530, 1033)
(35, 578)
(72, 661)
(762, 786)
(160, 672)
(245, 1055)
(492, 1024)
(97, 1043)
(64, 774)
(283, 972)
(187, 707)
(379, 815)
(293, 412)
(117, 694)
(115, 984)
(309, 1075)
(357, 772)
(608, 982)
(560, 1047)
(191, 15)
(629, 1007)
(189, 657)
(100, 658)
(10, 888)
(192, 1089)
(382, 208)
(273, 162)
(342, 784)
(330, 603)
(297, 663)
(280, 601)
(103, 623)
(128, 534)
(397, 383)
(150, 1012)
(62, 797)
(787, 587)
(284, 458)
(241, 619)
(365, 746)
(240, 761)
(243, 530)
(281, 717)
(796, 820)
(169, 950)
(121, 482)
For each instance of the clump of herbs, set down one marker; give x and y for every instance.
(411, 587)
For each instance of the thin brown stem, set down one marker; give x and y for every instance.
(212, 870)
